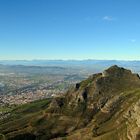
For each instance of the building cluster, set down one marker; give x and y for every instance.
(28, 97)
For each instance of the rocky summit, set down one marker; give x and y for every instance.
(106, 106)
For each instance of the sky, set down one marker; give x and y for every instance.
(70, 29)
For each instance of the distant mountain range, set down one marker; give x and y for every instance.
(68, 62)
(88, 64)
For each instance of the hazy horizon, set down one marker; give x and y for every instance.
(68, 60)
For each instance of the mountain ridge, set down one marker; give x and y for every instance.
(102, 107)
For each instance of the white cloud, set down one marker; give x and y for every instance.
(133, 40)
(108, 18)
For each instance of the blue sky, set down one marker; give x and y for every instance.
(70, 29)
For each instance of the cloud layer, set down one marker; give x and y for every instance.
(108, 18)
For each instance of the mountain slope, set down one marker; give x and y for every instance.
(106, 106)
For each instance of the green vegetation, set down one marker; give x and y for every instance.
(3, 108)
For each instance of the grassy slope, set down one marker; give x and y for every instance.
(23, 118)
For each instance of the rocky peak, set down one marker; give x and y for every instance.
(116, 71)
(104, 85)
